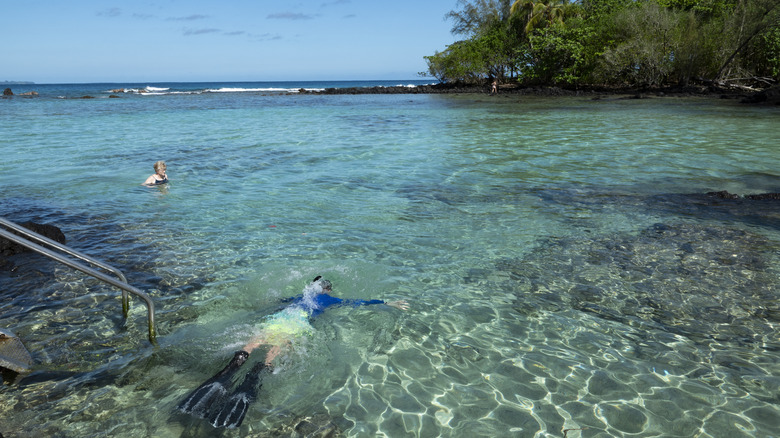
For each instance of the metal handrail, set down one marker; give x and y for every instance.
(121, 283)
(53, 243)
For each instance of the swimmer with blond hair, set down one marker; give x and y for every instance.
(159, 176)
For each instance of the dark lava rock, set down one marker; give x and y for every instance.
(770, 96)
(692, 280)
(757, 197)
(8, 248)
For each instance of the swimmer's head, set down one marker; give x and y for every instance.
(324, 284)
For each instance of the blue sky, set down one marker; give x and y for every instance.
(56, 41)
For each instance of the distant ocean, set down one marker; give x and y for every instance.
(567, 271)
(171, 88)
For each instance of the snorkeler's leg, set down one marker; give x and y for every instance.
(235, 408)
(276, 350)
(255, 343)
(272, 353)
(233, 412)
(212, 390)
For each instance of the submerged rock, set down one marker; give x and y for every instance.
(13, 355)
(8, 248)
(314, 426)
(757, 197)
(702, 282)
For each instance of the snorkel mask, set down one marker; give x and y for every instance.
(324, 284)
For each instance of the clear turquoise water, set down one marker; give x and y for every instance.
(564, 268)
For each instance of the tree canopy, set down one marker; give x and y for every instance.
(612, 42)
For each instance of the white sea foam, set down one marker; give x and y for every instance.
(257, 90)
(146, 90)
(159, 91)
(310, 293)
(234, 90)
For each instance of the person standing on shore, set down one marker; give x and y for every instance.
(159, 176)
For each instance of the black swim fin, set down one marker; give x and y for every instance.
(235, 408)
(213, 390)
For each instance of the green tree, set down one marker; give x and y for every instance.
(764, 56)
(488, 54)
(475, 16)
(538, 15)
(648, 41)
(557, 54)
(458, 62)
(615, 42)
(489, 50)
(554, 52)
(749, 21)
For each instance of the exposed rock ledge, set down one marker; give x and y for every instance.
(8, 248)
(769, 96)
(8, 92)
(758, 197)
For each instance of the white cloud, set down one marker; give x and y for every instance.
(204, 31)
(290, 16)
(111, 12)
(189, 18)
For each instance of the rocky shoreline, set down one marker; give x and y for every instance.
(768, 96)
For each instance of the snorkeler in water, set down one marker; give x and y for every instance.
(210, 399)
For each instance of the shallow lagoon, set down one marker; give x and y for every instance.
(566, 271)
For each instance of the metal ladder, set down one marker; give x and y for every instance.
(121, 282)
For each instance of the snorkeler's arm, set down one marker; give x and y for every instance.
(399, 304)
(356, 303)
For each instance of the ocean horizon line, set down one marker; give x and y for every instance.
(112, 89)
(136, 82)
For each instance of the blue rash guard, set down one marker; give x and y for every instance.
(318, 303)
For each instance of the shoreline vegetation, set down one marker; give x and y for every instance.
(716, 46)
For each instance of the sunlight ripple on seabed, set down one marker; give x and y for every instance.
(567, 272)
